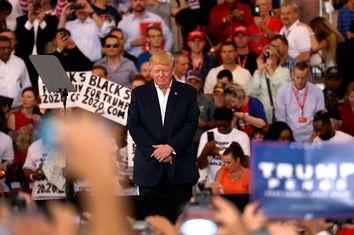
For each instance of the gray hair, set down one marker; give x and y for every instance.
(292, 3)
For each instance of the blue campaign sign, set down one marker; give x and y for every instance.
(302, 181)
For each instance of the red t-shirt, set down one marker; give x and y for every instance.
(347, 115)
(258, 38)
(220, 11)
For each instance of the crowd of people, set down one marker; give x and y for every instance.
(250, 71)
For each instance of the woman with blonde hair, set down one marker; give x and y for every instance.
(248, 110)
(325, 38)
(267, 79)
(346, 111)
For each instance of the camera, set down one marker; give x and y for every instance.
(36, 7)
(76, 6)
(266, 56)
(256, 10)
(63, 34)
(198, 216)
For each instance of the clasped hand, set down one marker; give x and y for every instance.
(162, 153)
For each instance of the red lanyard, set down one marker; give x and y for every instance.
(243, 64)
(199, 66)
(301, 105)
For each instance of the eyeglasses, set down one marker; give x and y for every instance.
(110, 46)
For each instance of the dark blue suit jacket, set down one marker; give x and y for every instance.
(145, 126)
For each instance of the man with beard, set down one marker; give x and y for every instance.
(135, 25)
(325, 131)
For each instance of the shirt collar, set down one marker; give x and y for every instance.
(294, 25)
(169, 87)
(145, 16)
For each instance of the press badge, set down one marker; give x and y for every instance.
(302, 119)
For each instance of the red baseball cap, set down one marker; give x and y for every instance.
(241, 30)
(195, 34)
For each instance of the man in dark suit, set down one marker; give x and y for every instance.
(162, 119)
(34, 30)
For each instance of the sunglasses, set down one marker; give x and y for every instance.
(110, 46)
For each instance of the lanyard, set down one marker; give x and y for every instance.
(243, 63)
(301, 105)
(199, 67)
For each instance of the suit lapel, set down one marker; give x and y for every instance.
(171, 103)
(155, 105)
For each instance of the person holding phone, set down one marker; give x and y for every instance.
(215, 141)
(86, 29)
(265, 26)
(228, 15)
(69, 55)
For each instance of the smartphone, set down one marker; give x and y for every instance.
(36, 6)
(141, 227)
(63, 34)
(198, 217)
(210, 136)
(76, 6)
(256, 10)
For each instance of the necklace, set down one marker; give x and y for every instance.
(236, 176)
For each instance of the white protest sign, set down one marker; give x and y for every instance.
(43, 190)
(50, 100)
(106, 98)
(131, 150)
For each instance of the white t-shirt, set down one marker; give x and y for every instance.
(41, 189)
(223, 141)
(298, 39)
(240, 76)
(339, 137)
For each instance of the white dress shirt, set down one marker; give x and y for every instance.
(130, 25)
(35, 25)
(163, 99)
(86, 35)
(298, 39)
(13, 79)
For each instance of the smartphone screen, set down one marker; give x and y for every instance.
(210, 136)
(256, 10)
